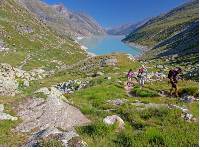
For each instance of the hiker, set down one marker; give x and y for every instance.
(173, 77)
(130, 75)
(142, 74)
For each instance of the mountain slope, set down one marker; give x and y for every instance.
(168, 33)
(26, 41)
(125, 29)
(62, 20)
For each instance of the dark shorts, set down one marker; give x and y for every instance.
(174, 84)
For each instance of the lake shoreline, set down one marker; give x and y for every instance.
(141, 47)
(84, 48)
(129, 51)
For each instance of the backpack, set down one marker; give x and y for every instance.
(170, 74)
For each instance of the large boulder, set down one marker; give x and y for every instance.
(110, 120)
(39, 113)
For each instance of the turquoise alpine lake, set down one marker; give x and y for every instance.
(101, 45)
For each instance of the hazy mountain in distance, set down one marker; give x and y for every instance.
(125, 28)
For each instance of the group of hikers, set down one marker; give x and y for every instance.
(141, 77)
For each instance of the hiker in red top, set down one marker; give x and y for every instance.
(173, 77)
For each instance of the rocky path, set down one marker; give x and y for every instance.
(28, 57)
(186, 114)
(48, 116)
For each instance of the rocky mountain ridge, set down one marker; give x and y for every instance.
(63, 20)
(167, 34)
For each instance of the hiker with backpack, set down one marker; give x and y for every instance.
(130, 76)
(142, 75)
(173, 77)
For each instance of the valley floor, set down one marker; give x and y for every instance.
(144, 117)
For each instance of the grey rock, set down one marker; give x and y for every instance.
(108, 62)
(71, 86)
(160, 66)
(63, 136)
(52, 112)
(117, 102)
(187, 116)
(26, 83)
(183, 109)
(67, 136)
(110, 120)
(187, 98)
(149, 105)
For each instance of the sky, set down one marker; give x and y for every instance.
(111, 13)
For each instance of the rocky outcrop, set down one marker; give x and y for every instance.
(8, 84)
(186, 115)
(65, 137)
(11, 78)
(40, 113)
(71, 86)
(108, 62)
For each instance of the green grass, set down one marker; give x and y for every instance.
(163, 27)
(143, 128)
(8, 137)
(43, 44)
(143, 92)
(149, 127)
